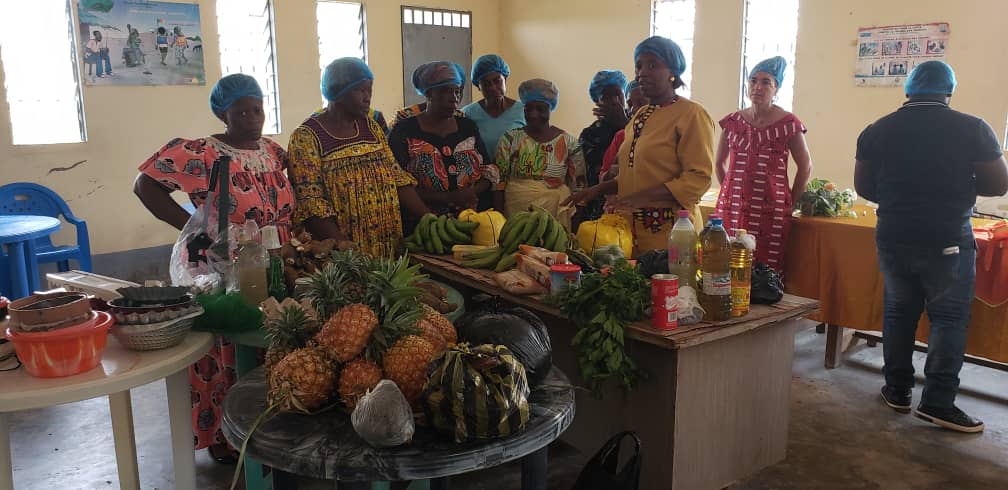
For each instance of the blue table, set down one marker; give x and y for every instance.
(18, 232)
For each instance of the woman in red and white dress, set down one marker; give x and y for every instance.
(752, 165)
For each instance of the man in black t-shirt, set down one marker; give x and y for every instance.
(924, 165)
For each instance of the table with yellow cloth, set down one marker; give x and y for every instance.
(834, 260)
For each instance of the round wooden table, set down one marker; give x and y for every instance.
(325, 446)
(120, 370)
(18, 232)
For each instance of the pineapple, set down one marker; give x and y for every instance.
(287, 329)
(302, 381)
(405, 364)
(443, 324)
(326, 291)
(354, 267)
(392, 295)
(432, 334)
(358, 376)
(346, 333)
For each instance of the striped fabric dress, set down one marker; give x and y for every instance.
(755, 194)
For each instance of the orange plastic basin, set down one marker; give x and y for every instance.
(63, 352)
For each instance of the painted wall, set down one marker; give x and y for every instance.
(127, 124)
(602, 34)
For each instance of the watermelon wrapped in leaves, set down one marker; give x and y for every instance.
(476, 392)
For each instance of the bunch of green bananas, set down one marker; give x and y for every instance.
(535, 227)
(436, 234)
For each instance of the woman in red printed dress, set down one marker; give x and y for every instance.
(752, 165)
(259, 191)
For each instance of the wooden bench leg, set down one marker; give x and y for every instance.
(834, 338)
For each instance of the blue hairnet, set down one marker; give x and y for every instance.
(634, 84)
(666, 50)
(931, 77)
(342, 75)
(603, 79)
(772, 66)
(229, 89)
(488, 64)
(437, 74)
(539, 90)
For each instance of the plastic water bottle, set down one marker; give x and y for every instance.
(252, 262)
(741, 272)
(716, 297)
(682, 243)
(276, 284)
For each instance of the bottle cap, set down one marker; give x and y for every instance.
(683, 213)
(739, 233)
(270, 237)
(716, 221)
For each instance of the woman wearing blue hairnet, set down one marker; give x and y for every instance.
(259, 191)
(495, 113)
(442, 150)
(348, 184)
(608, 91)
(540, 164)
(666, 162)
(752, 165)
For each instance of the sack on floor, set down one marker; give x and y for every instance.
(767, 287)
(603, 472)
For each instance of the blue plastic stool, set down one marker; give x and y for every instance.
(29, 198)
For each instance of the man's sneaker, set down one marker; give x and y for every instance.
(949, 418)
(898, 399)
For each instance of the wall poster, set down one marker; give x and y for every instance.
(140, 42)
(885, 55)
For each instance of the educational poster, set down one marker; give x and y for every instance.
(887, 54)
(140, 42)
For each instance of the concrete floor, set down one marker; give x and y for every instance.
(841, 437)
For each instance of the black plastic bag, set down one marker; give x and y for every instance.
(520, 330)
(767, 287)
(602, 471)
(653, 262)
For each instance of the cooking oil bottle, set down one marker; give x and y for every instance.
(716, 297)
(252, 263)
(682, 245)
(741, 271)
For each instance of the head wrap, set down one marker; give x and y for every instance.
(634, 84)
(666, 50)
(931, 77)
(603, 79)
(342, 75)
(229, 89)
(772, 66)
(488, 64)
(437, 74)
(539, 90)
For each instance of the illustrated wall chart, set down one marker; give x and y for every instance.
(886, 55)
(140, 42)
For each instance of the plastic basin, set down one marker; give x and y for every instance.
(63, 352)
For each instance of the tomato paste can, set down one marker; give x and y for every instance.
(664, 301)
(563, 276)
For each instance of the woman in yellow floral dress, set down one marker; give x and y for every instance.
(347, 183)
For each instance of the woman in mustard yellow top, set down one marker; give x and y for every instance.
(666, 162)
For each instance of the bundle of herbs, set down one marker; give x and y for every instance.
(601, 308)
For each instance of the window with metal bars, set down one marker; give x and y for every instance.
(771, 29)
(342, 31)
(674, 19)
(42, 79)
(446, 18)
(247, 46)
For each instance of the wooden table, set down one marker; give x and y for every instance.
(717, 404)
(119, 371)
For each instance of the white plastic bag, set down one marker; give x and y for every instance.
(690, 310)
(201, 256)
(383, 417)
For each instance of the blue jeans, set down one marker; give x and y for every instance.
(98, 60)
(919, 279)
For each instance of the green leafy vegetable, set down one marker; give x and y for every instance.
(601, 307)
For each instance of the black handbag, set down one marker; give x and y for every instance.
(602, 471)
(767, 287)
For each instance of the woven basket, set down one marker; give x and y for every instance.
(154, 336)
